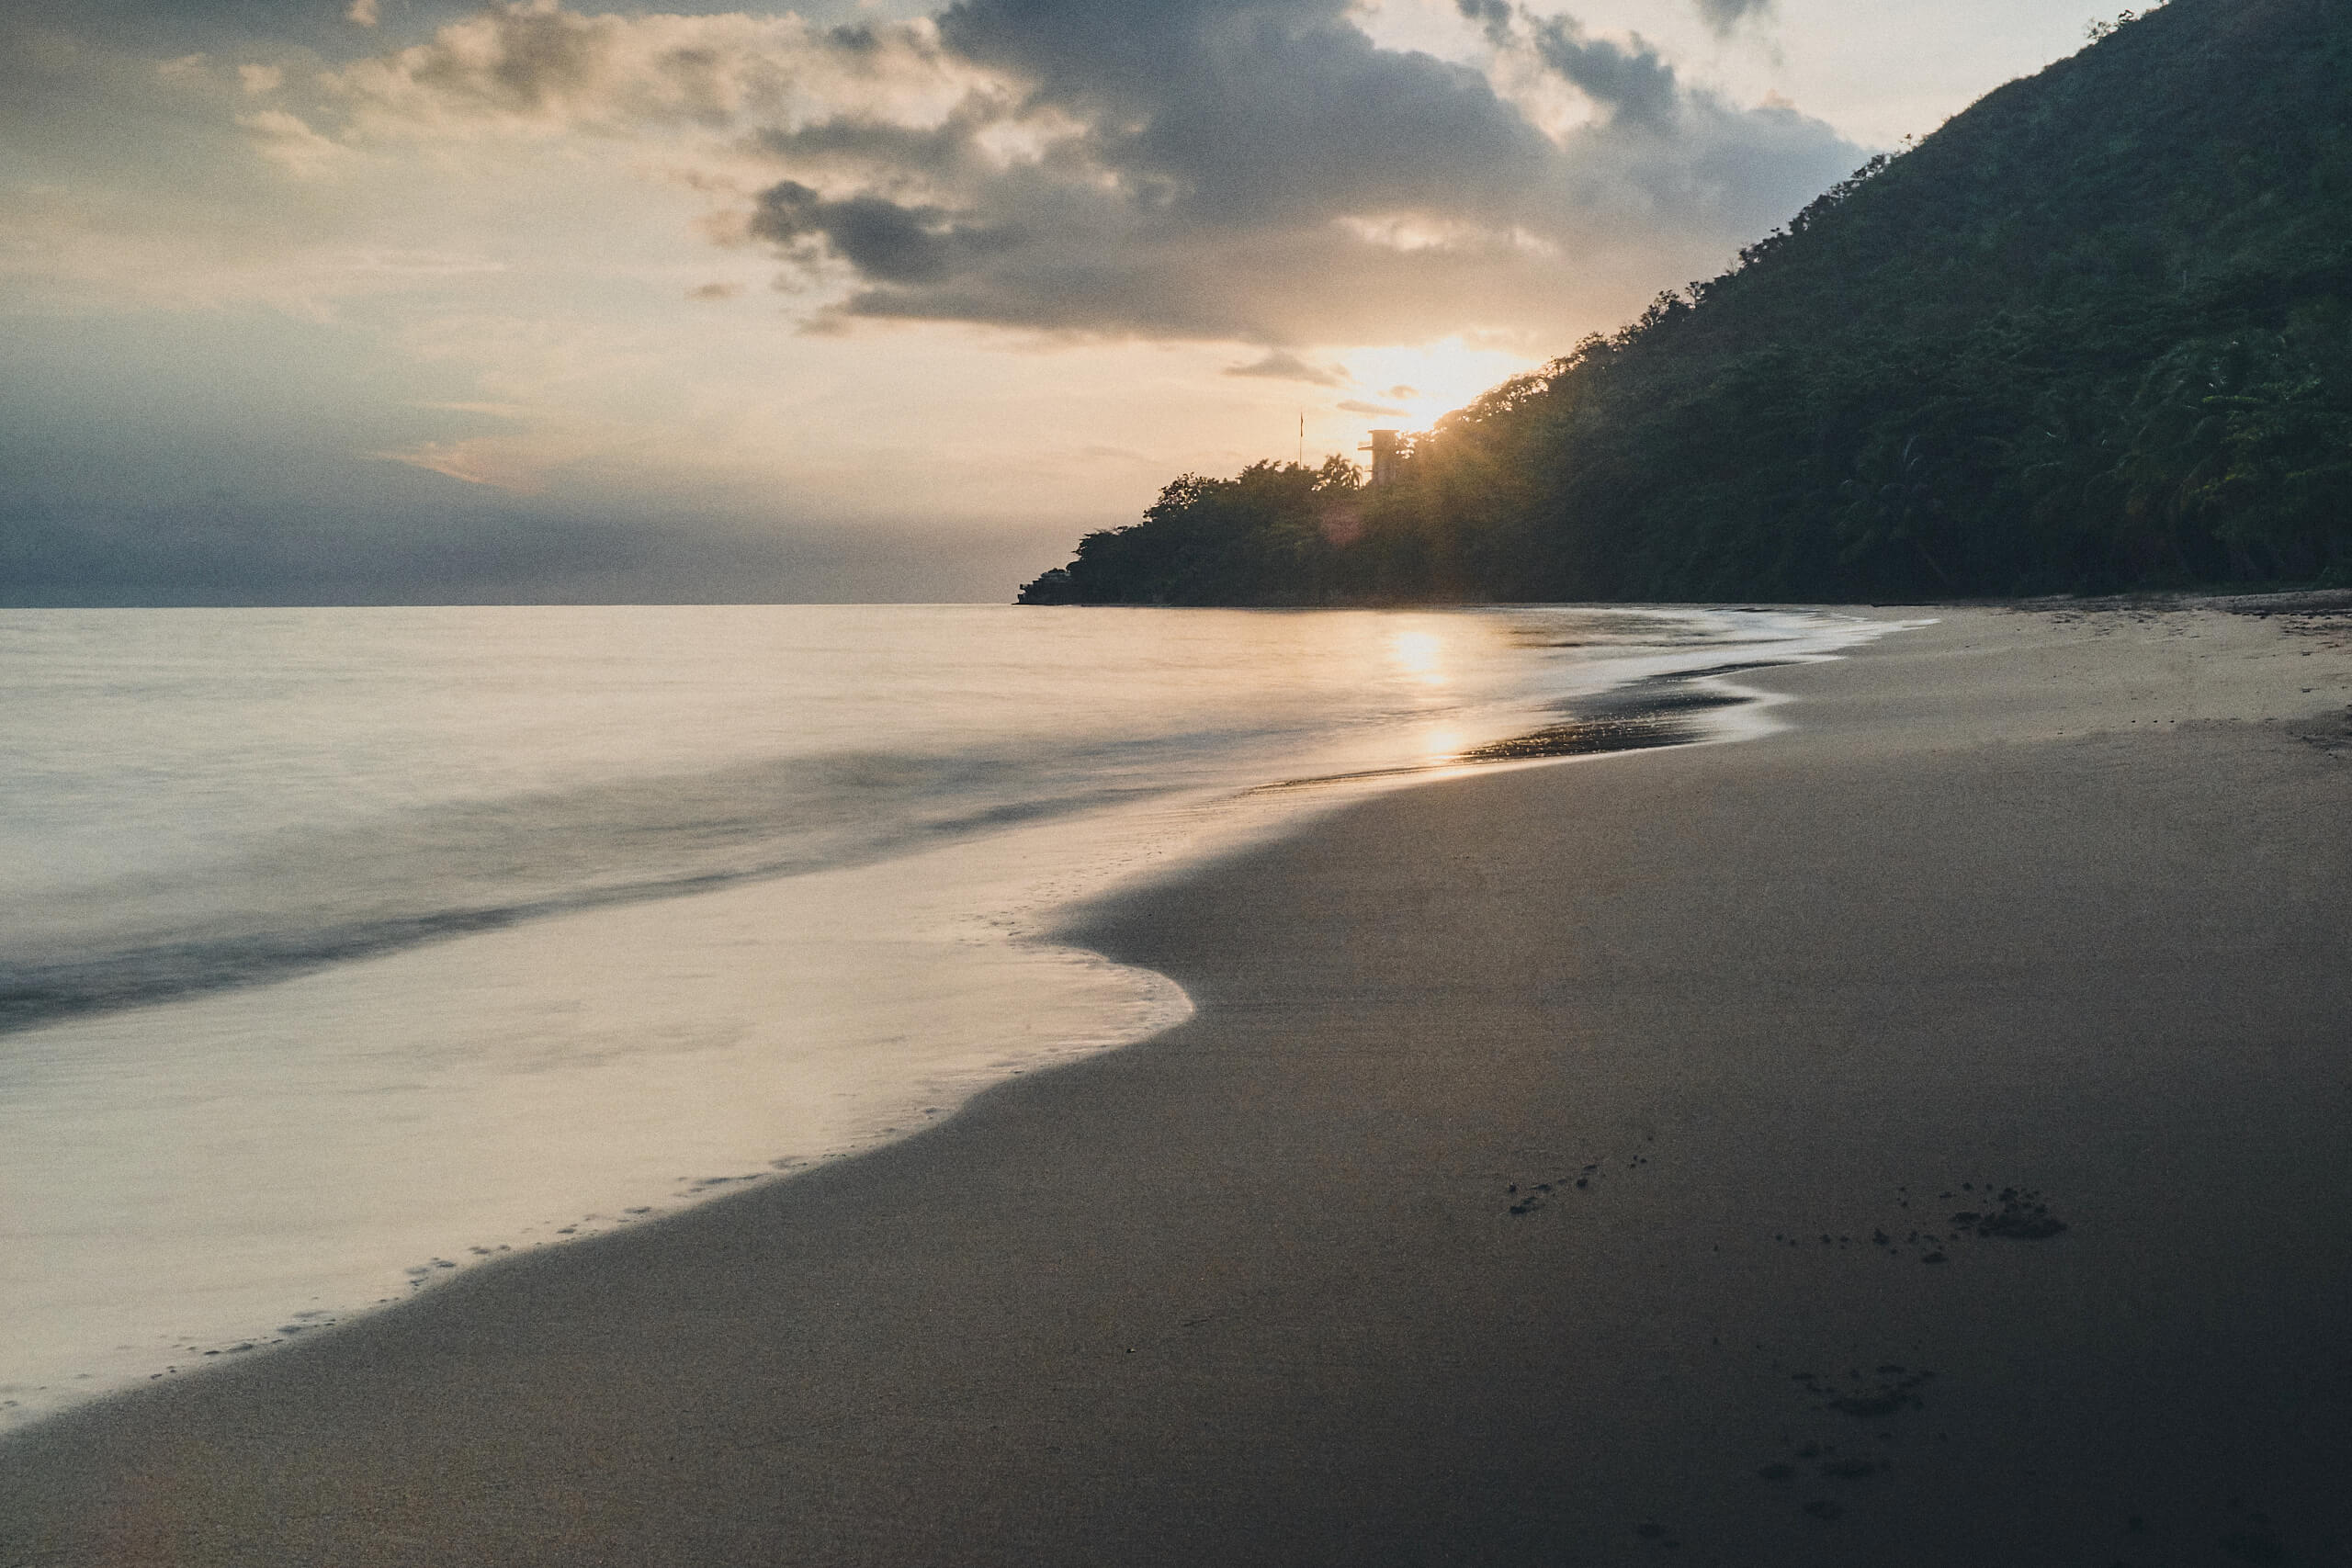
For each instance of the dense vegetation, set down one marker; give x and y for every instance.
(2093, 333)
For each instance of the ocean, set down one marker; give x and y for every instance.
(348, 949)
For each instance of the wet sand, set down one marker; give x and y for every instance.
(1563, 1168)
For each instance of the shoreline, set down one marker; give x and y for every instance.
(589, 1071)
(1310, 1278)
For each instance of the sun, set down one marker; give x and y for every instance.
(1426, 381)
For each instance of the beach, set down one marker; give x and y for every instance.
(1561, 1165)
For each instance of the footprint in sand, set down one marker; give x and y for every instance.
(2013, 1214)
(1527, 1197)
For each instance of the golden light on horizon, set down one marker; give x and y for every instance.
(1424, 383)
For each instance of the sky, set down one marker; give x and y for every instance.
(353, 302)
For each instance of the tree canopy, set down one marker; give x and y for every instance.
(2095, 332)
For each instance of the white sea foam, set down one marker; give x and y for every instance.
(350, 948)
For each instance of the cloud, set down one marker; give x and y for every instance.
(1378, 411)
(536, 69)
(1252, 170)
(1260, 169)
(1283, 365)
(886, 241)
(1722, 16)
(286, 141)
(1629, 80)
(1494, 18)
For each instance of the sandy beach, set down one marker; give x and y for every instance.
(1563, 1166)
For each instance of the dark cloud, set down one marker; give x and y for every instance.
(884, 241)
(1376, 410)
(1493, 18)
(1722, 16)
(1224, 112)
(1263, 170)
(1629, 80)
(1258, 170)
(1283, 365)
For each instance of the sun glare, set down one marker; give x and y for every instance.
(1441, 745)
(1420, 656)
(1425, 382)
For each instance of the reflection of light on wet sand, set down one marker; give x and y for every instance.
(1420, 655)
(188, 1173)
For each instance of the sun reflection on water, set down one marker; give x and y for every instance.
(1418, 655)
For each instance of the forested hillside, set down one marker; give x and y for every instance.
(2091, 334)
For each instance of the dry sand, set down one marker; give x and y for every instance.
(1557, 1171)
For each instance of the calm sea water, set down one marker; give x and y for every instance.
(345, 949)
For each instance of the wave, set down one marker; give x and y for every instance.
(252, 905)
(303, 900)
